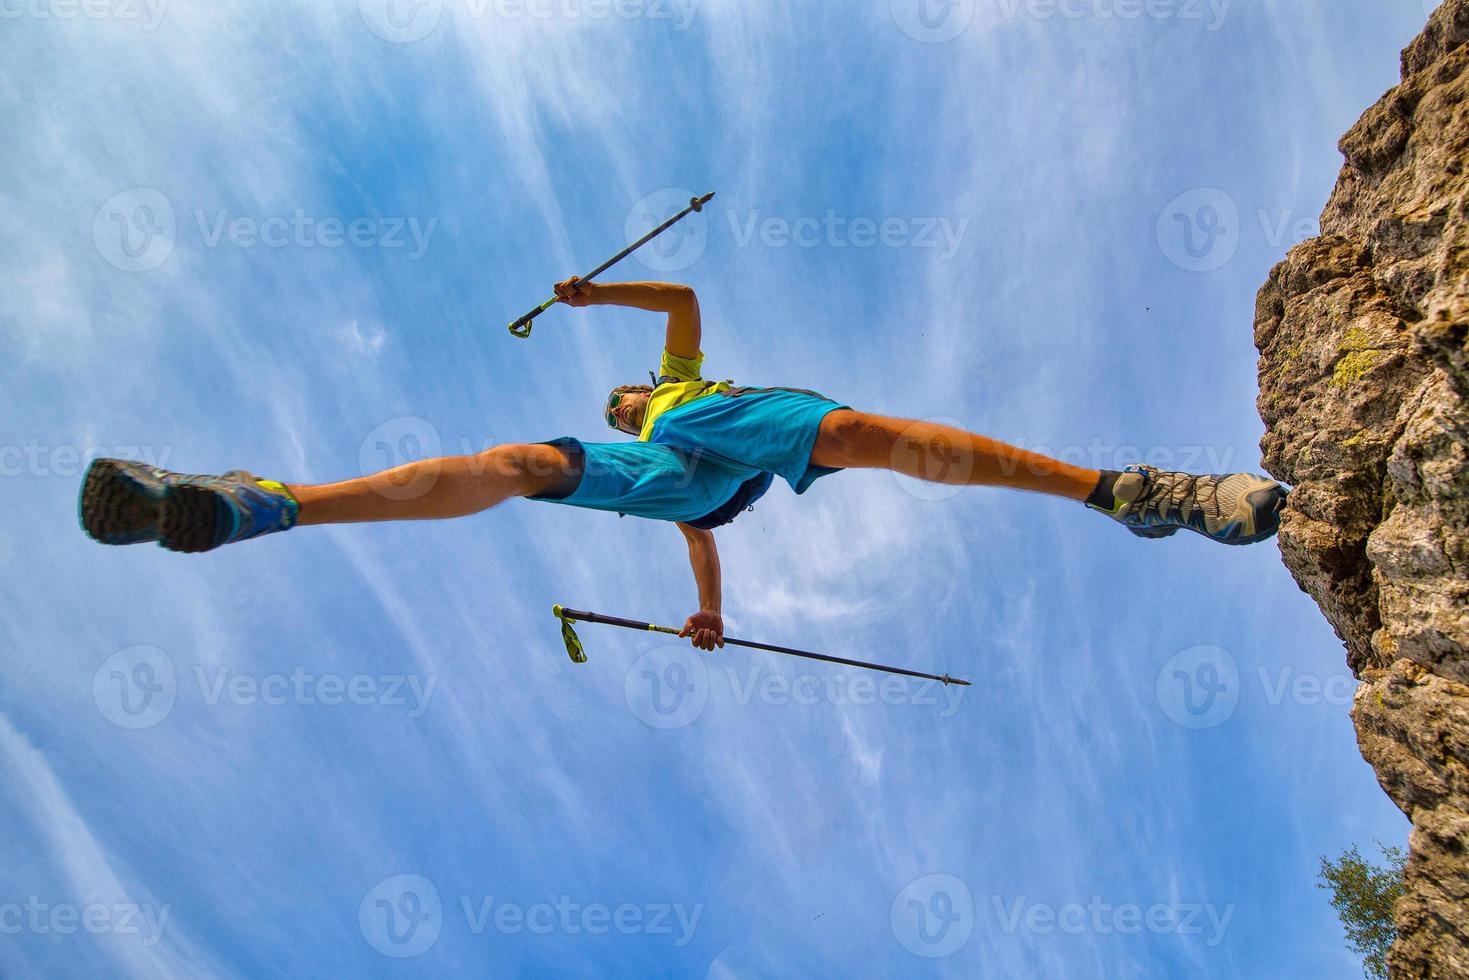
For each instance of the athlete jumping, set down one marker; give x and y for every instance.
(704, 451)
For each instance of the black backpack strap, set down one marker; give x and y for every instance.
(750, 491)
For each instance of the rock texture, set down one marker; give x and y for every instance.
(1363, 335)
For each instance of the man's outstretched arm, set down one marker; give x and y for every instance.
(707, 625)
(678, 301)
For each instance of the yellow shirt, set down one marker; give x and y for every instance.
(678, 384)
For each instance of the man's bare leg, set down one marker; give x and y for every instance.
(433, 489)
(943, 454)
(1231, 508)
(124, 502)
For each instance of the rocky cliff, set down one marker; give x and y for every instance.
(1363, 335)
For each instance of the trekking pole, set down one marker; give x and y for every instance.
(578, 655)
(521, 327)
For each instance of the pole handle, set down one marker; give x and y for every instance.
(521, 327)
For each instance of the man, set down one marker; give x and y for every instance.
(704, 452)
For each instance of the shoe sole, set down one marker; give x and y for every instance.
(1267, 504)
(118, 508)
(187, 519)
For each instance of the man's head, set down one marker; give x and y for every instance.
(627, 405)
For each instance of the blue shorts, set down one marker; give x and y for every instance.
(702, 454)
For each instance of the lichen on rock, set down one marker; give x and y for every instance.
(1363, 335)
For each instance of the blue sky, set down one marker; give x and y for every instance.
(288, 237)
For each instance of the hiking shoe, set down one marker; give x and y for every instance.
(206, 512)
(120, 499)
(1234, 508)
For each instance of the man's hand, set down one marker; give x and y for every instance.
(574, 292)
(706, 627)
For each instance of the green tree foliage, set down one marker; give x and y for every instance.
(1363, 895)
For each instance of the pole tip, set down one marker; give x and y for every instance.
(556, 610)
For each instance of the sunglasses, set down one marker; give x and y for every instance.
(612, 403)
